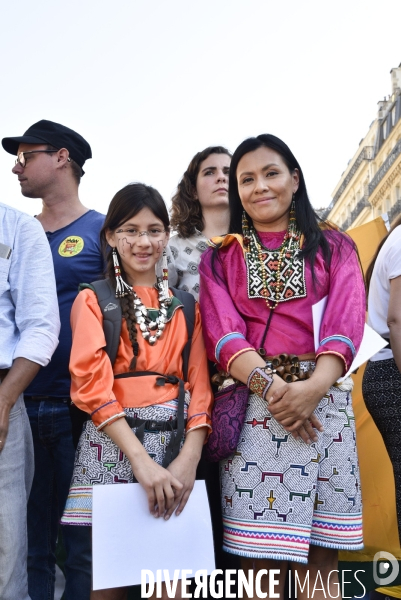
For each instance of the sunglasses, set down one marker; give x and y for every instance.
(21, 160)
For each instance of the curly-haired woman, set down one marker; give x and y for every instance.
(199, 212)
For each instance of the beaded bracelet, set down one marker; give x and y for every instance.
(260, 380)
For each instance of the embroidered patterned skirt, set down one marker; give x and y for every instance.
(99, 461)
(279, 495)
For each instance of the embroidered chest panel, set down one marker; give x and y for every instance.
(292, 276)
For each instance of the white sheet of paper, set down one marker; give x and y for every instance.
(126, 538)
(317, 315)
(372, 342)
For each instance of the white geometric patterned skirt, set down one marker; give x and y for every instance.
(99, 461)
(279, 495)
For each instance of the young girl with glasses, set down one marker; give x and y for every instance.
(153, 336)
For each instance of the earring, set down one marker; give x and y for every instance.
(292, 225)
(122, 288)
(245, 230)
(165, 272)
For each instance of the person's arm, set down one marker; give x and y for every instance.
(199, 418)
(394, 319)
(17, 379)
(33, 294)
(92, 375)
(341, 334)
(224, 329)
(342, 327)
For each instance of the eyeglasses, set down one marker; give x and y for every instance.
(154, 233)
(21, 160)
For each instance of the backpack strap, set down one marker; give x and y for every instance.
(188, 302)
(111, 311)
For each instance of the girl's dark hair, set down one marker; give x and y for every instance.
(369, 270)
(127, 203)
(186, 211)
(307, 219)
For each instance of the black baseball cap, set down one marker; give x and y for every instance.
(59, 136)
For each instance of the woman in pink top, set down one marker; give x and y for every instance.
(291, 490)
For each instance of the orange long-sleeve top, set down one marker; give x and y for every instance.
(93, 387)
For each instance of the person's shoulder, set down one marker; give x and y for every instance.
(95, 218)
(179, 242)
(226, 244)
(336, 238)
(12, 212)
(224, 248)
(12, 216)
(395, 236)
(86, 295)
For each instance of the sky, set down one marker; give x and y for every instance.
(150, 83)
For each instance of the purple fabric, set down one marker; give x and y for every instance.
(226, 308)
(228, 415)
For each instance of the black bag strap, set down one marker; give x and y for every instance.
(188, 302)
(112, 314)
(112, 317)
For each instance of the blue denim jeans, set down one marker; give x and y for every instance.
(54, 461)
(16, 472)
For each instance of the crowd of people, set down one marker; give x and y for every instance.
(118, 382)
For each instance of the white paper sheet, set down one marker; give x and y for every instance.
(372, 342)
(317, 315)
(126, 538)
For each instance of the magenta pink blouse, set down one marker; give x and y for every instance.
(233, 323)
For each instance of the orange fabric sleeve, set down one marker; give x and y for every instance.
(91, 371)
(199, 411)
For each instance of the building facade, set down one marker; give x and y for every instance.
(371, 184)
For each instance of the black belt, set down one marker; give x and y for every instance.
(176, 426)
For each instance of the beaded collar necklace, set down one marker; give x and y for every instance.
(275, 275)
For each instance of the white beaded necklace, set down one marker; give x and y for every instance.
(146, 325)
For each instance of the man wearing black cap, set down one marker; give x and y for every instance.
(49, 165)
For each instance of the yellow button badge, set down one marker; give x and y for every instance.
(71, 246)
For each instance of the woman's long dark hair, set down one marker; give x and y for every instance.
(307, 219)
(186, 211)
(369, 270)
